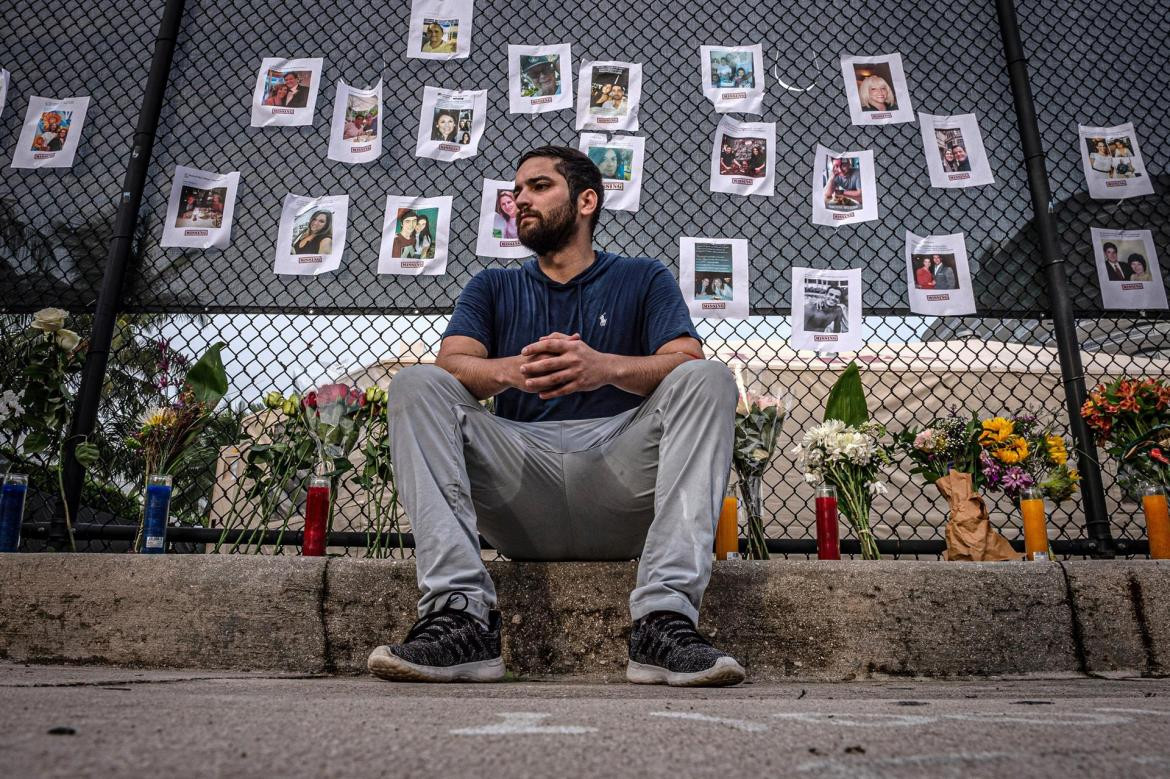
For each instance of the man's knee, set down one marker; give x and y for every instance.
(708, 378)
(418, 382)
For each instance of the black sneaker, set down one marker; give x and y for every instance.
(448, 645)
(665, 648)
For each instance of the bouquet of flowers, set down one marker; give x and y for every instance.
(315, 435)
(964, 455)
(1130, 419)
(169, 435)
(847, 451)
(1007, 454)
(1019, 452)
(758, 419)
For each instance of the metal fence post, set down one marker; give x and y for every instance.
(1063, 321)
(110, 297)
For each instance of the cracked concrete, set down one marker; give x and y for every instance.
(784, 619)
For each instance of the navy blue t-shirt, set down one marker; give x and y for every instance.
(619, 305)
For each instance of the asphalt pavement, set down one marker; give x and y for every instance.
(100, 721)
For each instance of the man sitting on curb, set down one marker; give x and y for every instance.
(611, 440)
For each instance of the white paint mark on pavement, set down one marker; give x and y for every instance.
(1134, 711)
(857, 720)
(957, 765)
(1062, 718)
(523, 722)
(738, 724)
(875, 720)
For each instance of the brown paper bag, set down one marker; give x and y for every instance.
(969, 532)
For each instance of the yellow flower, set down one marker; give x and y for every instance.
(1056, 450)
(1013, 451)
(996, 431)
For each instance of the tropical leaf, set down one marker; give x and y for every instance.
(207, 377)
(847, 398)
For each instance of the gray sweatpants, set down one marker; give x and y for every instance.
(648, 482)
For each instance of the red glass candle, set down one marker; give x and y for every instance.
(828, 539)
(316, 517)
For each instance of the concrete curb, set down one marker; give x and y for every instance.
(784, 619)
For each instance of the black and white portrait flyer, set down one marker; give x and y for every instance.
(733, 77)
(540, 78)
(4, 78)
(713, 275)
(1127, 269)
(355, 135)
(937, 275)
(451, 123)
(876, 89)
(440, 29)
(844, 187)
(51, 132)
(200, 209)
(1113, 162)
(414, 235)
(311, 238)
(608, 95)
(826, 310)
(497, 235)
(286, 92)
(620, 160)
(743, 157)
(954, 151)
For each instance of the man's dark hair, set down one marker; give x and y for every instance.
(578, 170)
(1109, 245)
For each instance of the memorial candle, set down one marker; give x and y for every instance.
(1157, 521)
(157, 514)
(727, 531)
(828, 534)
(12, 510)
(316, 517)
(1035, 526)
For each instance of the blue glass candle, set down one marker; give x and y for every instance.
(12, 510)
(158, 512)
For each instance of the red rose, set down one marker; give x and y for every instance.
(332, 393)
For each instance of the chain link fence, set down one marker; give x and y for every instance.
(290, 334)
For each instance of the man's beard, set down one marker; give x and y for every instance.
(551, 232)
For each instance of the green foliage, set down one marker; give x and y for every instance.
(207, 378)
(847, 398)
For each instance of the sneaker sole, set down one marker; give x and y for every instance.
(386, 665)
(724, 673)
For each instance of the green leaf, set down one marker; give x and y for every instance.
(87, 454)
(35, 442)
(207, 377)
(847, 398)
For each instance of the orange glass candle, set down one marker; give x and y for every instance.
(727, 531)
(1035, 526)
(1157, 521)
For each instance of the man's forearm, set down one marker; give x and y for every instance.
(642, 375)
(483, 377)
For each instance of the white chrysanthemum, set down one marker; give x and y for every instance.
(156, 417)
(876, 488)
(10, 405)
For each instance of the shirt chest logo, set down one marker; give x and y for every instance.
(601, 320)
